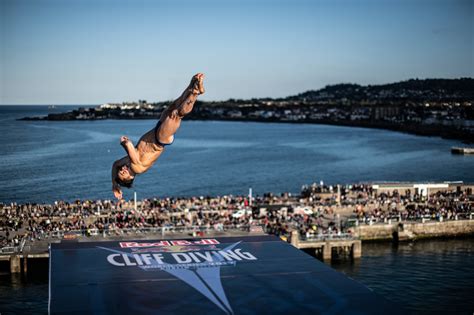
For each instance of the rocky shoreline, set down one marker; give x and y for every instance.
(432, 107)
(415, 129)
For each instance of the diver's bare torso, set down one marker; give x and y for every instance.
(148, 152)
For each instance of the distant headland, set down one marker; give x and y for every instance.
(430, 107)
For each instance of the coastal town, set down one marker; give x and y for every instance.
(432, 107)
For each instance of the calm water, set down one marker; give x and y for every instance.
(47, 161)
(426, 277)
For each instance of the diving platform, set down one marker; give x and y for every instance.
(224, 275)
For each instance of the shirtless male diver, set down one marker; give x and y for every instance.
(150, 146)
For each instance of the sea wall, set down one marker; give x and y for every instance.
(410, 230)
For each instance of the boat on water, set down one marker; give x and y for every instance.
(461, 150)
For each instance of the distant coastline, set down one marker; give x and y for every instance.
(431, 107)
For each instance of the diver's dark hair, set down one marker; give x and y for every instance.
(122, 183)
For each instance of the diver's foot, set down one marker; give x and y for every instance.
(197, 85)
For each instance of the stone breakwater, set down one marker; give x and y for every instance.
(400, 231)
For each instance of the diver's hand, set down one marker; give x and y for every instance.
(117, 192)
(124, 140)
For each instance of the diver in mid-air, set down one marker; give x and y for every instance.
(150, 146)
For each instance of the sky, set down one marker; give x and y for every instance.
(98, 51)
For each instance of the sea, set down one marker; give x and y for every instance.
(45, 161)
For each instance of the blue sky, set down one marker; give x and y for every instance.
(93, 51)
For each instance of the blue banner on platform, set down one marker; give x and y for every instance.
(232, 275)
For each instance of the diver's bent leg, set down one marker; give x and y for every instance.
(169, 124)
(184, 104)
(170, 119)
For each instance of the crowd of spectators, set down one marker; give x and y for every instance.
(440, 205)
(318, 209)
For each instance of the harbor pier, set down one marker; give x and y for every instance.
(18, 263)
(328, 244)
(400, 230)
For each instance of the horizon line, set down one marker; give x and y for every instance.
(235, 98)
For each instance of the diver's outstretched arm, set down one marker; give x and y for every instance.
(130, 149)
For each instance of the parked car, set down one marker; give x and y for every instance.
(241, 213)
(303, 210)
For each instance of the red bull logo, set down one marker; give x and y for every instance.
(169, 243)
(174, 249)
